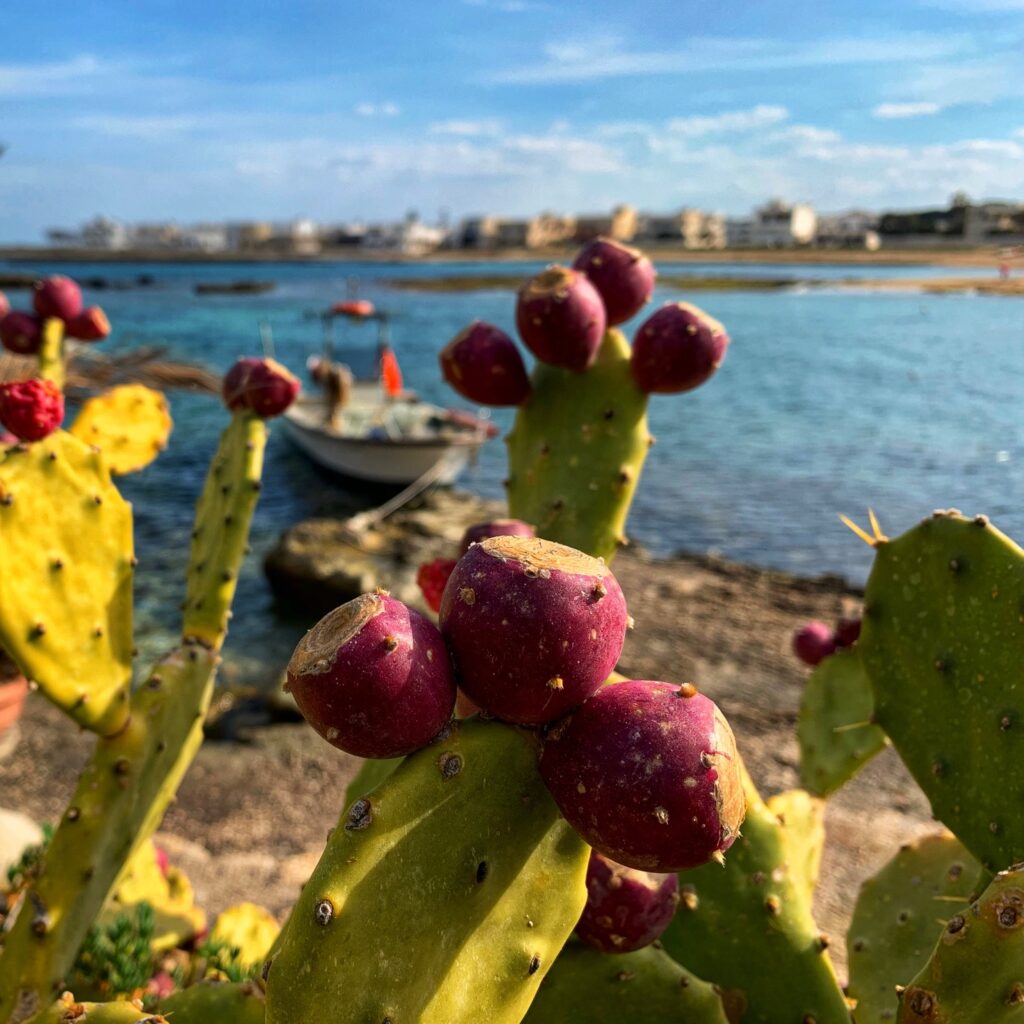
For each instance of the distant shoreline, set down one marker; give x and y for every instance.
(882, 258)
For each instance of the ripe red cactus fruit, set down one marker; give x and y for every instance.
(626, 909)
(431, 579)
(561, 318)
(647, 773)
(483, 364)
(847, 632)
(58, 297)
(262, 385)
(813, 643)
(677, 349)
(21, 333)
(90, 325)
(623, 277)
(31, 409)
(533, 627)
(373, 678)
(495, 528)
(5, 306)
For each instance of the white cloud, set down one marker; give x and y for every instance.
(466, 129)
(698, 125)
(806, 133)
(48, 79)
(892, 111)
(150, 128)
(376, 109)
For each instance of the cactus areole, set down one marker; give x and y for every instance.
(647, 773)
(533, 627)
(561, 318)
(373, 678)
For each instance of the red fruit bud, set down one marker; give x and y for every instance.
(432, 578)
(58, 297)
(623, 277)
(813, 643)
(90, 325)
(483, 364)
(677, 349)
(21, 333)
(5, 306)
(561, 318)
(31, 409)
(263, 385)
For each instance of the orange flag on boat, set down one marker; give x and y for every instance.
(390, 373)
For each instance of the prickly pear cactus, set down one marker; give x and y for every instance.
(176, 918)
(747, 927)
(67, 1010)
(221, 532)
(66, 562)
(645, 987)
(216, 1002)
(802, 818)
(576, 451)
(942, 643)
(898, 917)
(130, 424)
(459, 851)
(51, 352)
(835, 730)
(248, 928)
(976, 971)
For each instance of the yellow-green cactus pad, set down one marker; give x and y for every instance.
(176, 916)
(802, 818)
(443, 896)
(576, 451)
(899, 915)
(66, 562)
(835, 728)
(976, 971)
(248, 928)
(51, 352)
(216, 1002)
(67, 1010)
(943, 646)
(747, 927)
(130, 424)
(645, 987)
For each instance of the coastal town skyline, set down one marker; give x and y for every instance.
(197, 115)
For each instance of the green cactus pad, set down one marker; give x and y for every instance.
(221, 532)
(68, 1011)
(943, 643)
(802, 817)
(66, 578)
(130, 424)
(834, 730)
(371, 774)
(645, 987)
(444, 897)
(747, 927)
(51, 352)
(177, 919)
(217, 1002)
(576, 451)
(900, 912)
(976, 971)
(120, 799)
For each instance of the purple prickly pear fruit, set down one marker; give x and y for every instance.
(496, 528)
(847, 632)
(31, 409)
(90, 325)
(677, 349)
(373, 678)
(561, 318)
(626, 909)
(813, 643)
(57, 297)
(483, 364)
(21, 333)
(235, 385)
(262, 385)
(623, 277)
(533, 627)
(5, 306)
(647, 773)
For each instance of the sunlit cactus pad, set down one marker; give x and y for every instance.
(130, 424)
(66, 578)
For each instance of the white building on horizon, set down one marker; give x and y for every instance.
(776, 225)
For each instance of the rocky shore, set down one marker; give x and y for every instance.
(252, 814)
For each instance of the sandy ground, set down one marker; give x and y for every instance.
(251, 816)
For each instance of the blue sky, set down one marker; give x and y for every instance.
(187, 110)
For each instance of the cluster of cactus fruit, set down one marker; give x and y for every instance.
(532, 837)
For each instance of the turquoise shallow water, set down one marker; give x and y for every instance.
(829, 401)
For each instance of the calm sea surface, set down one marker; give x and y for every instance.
(829, 401)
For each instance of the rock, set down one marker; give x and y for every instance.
(17, 831)
(321, 563)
